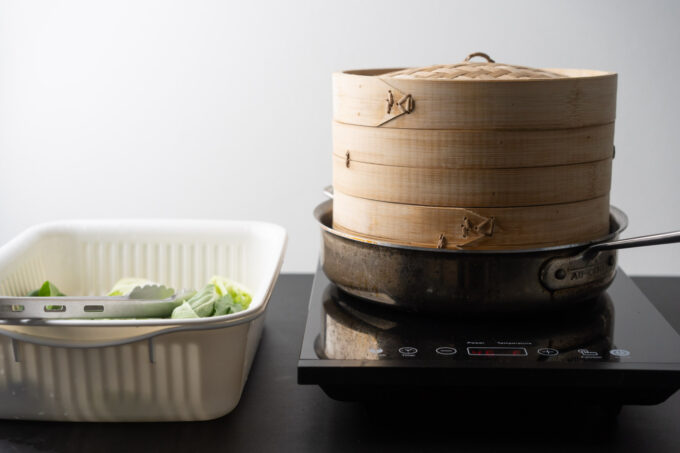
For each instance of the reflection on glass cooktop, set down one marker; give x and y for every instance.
(351, 329)
(619, 326)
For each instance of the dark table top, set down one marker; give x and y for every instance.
(277, 414)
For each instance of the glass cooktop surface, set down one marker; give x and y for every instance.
(619, 339)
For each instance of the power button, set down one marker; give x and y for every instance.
(408, 351)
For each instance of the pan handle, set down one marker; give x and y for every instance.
(328, 191)
(595, 264)
(640, 241)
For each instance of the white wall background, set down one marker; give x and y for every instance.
(216, 109)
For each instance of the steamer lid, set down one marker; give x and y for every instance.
(467, 70)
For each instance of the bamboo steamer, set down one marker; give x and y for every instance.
(473, 155)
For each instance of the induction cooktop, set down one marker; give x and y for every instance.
(617, 350)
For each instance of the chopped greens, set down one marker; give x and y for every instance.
(48, 289)
(221, 296)
(217, 298)
(226, 305)
(239, 294)
(184, 311)
(124, 286)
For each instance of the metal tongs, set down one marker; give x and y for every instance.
(149, 301)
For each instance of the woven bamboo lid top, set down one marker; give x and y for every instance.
(489, 70)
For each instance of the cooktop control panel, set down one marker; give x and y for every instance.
(480, 350)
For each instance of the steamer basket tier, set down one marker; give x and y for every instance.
(473, 187)
(472, 228)
(581, 98)
(452, 148)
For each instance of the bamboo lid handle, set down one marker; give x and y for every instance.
(480, 54)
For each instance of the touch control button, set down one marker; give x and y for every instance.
(408, 351)
(549, 352)
(588, 354)
(446, 350)
(620, 352)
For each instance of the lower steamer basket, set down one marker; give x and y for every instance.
(527, 227)
(458, 281)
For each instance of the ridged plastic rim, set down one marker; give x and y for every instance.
(164, 325)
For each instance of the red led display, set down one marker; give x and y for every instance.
(494, 351)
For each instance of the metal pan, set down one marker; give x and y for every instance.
(474, 281)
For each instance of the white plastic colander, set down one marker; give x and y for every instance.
(133, 370)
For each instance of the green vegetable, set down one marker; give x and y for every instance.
(48, 289)
(187, 294)
(124, 286)
(200, 305)
(226, 305)
(203, 302)
(239, 293)
(184, 311)
(221, 297)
